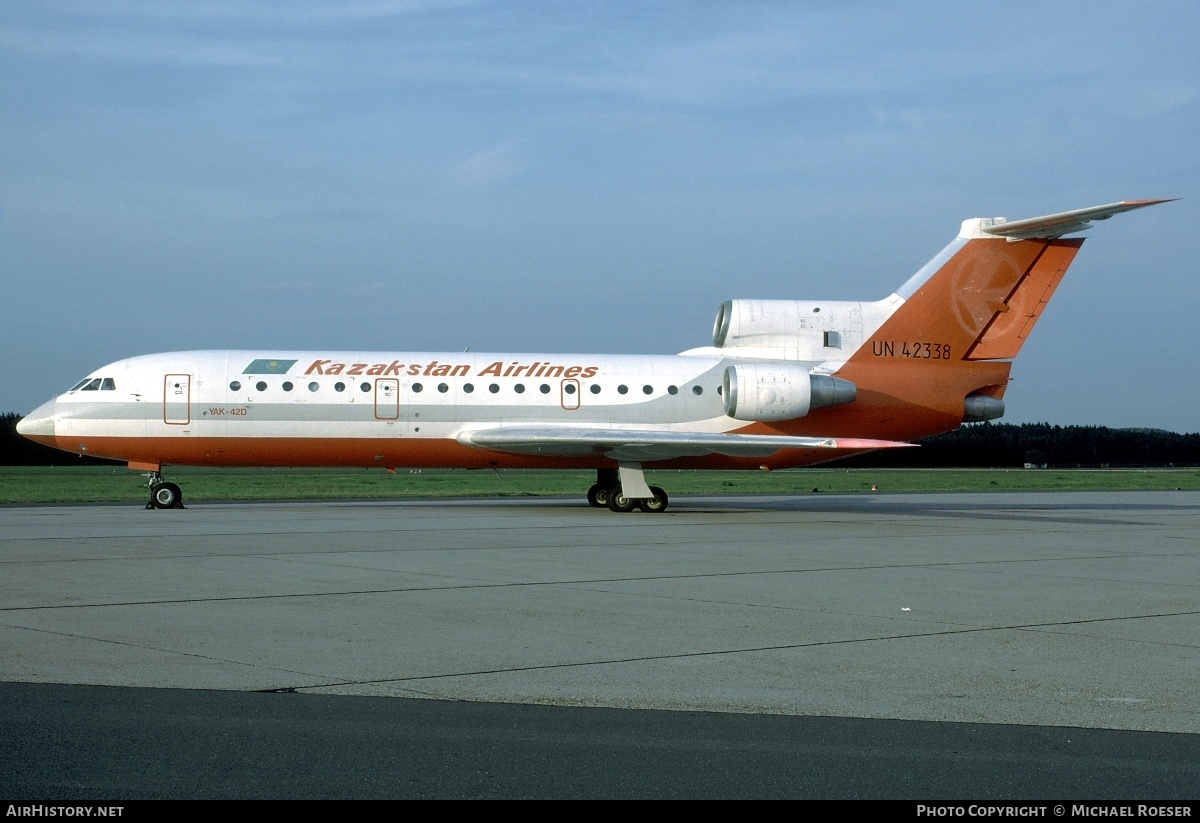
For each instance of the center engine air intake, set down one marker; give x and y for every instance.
(763, 392)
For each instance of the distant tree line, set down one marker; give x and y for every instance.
(979, 445)
(1001, 445)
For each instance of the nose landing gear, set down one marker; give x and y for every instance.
(163, 495)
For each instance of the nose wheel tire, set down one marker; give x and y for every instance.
(166, 496)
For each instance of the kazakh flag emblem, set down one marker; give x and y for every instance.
(269, 367)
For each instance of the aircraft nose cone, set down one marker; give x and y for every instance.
(38, 425)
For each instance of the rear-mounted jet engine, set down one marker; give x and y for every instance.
(765, 392)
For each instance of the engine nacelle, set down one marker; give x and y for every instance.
(778, 324)
(766, 392)
(817, 331)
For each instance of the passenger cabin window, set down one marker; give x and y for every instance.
(235, 386)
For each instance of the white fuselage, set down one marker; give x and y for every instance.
(369, 408)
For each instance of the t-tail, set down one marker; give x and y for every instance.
(934, 354)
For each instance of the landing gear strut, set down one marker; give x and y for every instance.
(163, 495)
(610, 486)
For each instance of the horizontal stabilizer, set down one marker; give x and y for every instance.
(1067, 222)
(649, 444)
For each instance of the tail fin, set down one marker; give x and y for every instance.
(983, 293)
(977, 305)
(942, 355)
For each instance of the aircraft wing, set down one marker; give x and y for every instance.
(640, 445)
(1056, 225)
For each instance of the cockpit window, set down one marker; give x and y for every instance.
(95, 384)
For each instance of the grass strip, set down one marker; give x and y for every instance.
(100, 484)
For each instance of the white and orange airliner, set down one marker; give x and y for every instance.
(785, 383)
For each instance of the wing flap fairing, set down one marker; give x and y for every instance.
(647, 444)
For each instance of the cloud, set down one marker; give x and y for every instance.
(489, 167)
(132, 47)
(159, 32)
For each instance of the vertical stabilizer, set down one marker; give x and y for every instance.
(978, 305)
(944, 354)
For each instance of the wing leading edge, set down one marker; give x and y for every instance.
(639, 445)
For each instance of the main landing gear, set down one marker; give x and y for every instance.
(624, 489)
(163, 495)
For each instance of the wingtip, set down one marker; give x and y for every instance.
(864, 443)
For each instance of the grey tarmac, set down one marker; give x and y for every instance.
(1049, 613)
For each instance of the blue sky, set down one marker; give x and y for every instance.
(591, 176)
